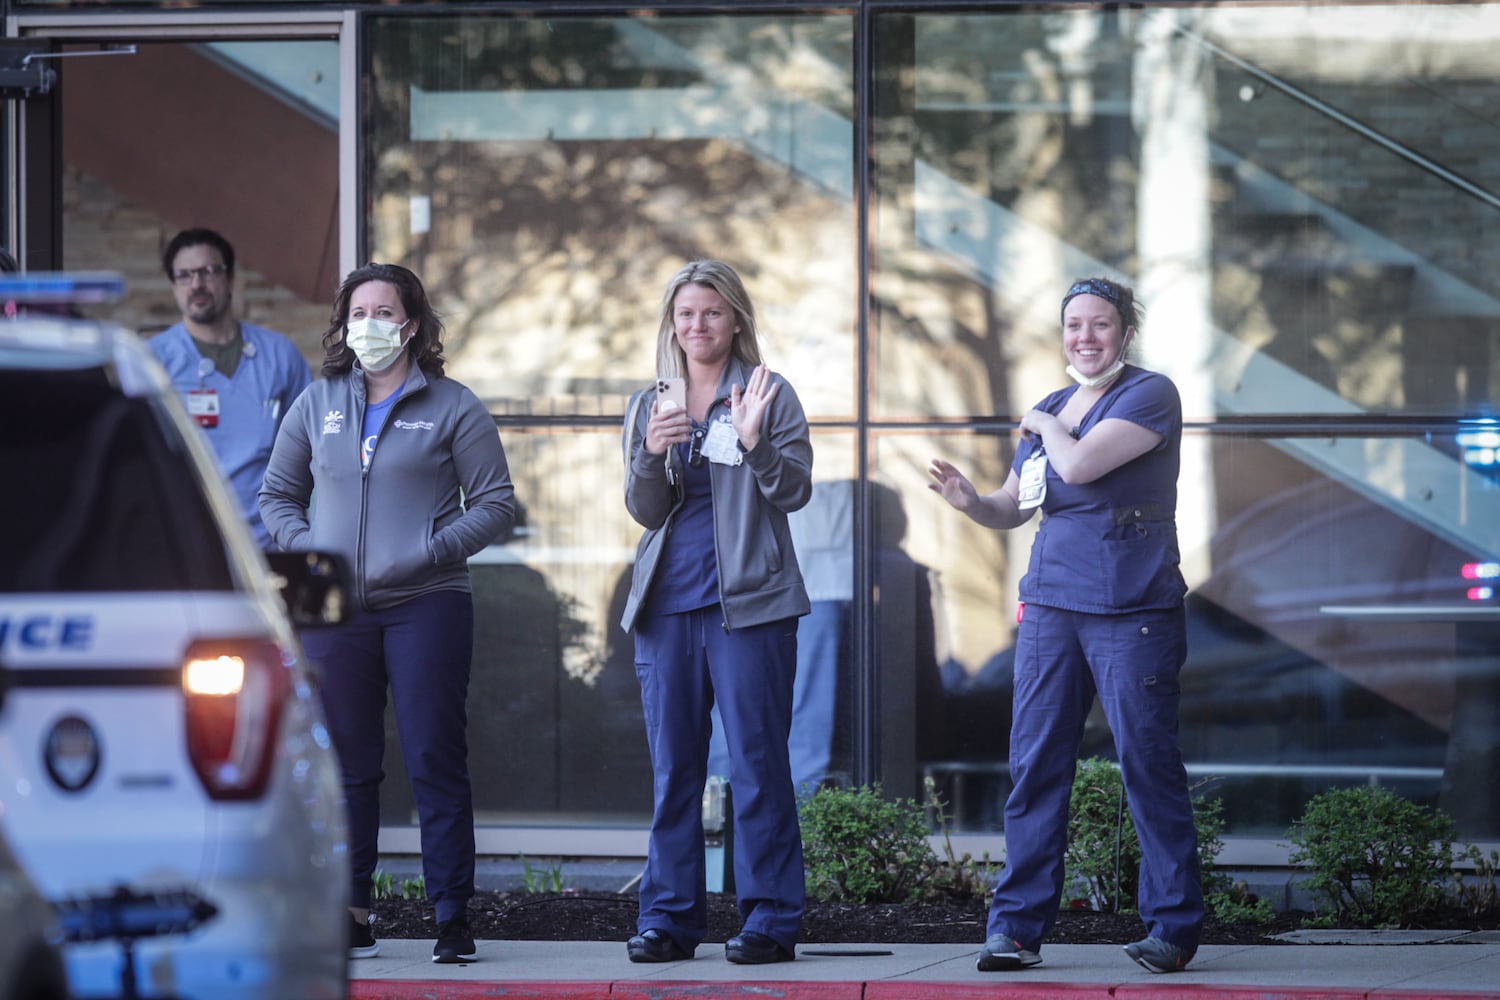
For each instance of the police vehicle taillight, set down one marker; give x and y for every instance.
(234, 693)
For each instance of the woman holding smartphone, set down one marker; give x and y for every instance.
(714, 600)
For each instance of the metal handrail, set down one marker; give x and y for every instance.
(1353, 124)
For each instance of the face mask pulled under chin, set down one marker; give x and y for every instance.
(376, 342)
(1103, 378)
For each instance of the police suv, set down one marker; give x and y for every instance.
(30, 966)
(165, 775)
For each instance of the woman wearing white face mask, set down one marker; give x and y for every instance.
(1102, 613)
(411, 480)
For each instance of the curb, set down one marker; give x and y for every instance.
(635, 989)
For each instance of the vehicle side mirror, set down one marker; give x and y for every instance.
(312, 587)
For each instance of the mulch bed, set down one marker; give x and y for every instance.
(607, 916)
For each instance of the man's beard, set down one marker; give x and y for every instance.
(209, 312)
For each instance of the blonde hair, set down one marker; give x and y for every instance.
(671, 362)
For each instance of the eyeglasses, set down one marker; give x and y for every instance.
(185, 275)
(695, 447)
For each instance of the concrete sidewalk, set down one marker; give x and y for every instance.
(1320, 966)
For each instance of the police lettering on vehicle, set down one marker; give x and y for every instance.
(41, 632)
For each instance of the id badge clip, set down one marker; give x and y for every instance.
(203, 406)
(721, 446)
(1033, 482)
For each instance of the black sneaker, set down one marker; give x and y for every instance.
(362, 943)
(1155, 955)
(455, 943)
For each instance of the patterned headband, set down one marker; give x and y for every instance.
(1095, 286)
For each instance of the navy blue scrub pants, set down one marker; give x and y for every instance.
(1132, 661)
(819, 744)
(421, 649)
(686, 662)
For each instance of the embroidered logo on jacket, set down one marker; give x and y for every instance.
(415, 425)
(333, 422)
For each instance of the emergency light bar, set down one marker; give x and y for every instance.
(62, 287)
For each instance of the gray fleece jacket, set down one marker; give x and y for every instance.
(759, 579)
(437, 489)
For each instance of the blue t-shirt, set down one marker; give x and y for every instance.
(1111, 545)
(687, 575)
(370, 429)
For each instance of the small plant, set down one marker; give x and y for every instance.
(549, 879)
(383, 886)
(964, 877)
(862, 848)
(1377, 860)
(1476, 894)
(1234, 903)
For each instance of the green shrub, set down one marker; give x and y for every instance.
(1377, 860)
(1102, 862)
(862, 848)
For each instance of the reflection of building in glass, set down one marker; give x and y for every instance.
(1299, 193)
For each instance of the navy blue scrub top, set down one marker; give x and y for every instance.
(687, 574)
(1111, 545)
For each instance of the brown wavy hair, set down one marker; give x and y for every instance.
(426, 345)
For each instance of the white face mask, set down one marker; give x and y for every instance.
(1103, 378)
(376, 342)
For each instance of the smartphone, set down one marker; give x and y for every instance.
(671, 392)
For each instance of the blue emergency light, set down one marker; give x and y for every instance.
(61, 287)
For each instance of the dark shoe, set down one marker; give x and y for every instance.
(1001, 954)
(1156, 955)
(362, 943)
(455, 942)
(751, 948)
(656, 946)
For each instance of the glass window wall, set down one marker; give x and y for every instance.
(1298, 194)
(547, 176)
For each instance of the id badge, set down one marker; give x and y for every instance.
(203, 406)
(1033, 481)
(722, 443)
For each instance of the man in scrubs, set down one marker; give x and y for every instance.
(236, 379)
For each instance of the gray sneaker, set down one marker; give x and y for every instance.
(1001, 953)
(1155, 955)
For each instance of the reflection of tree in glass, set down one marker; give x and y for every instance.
(545, 252)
